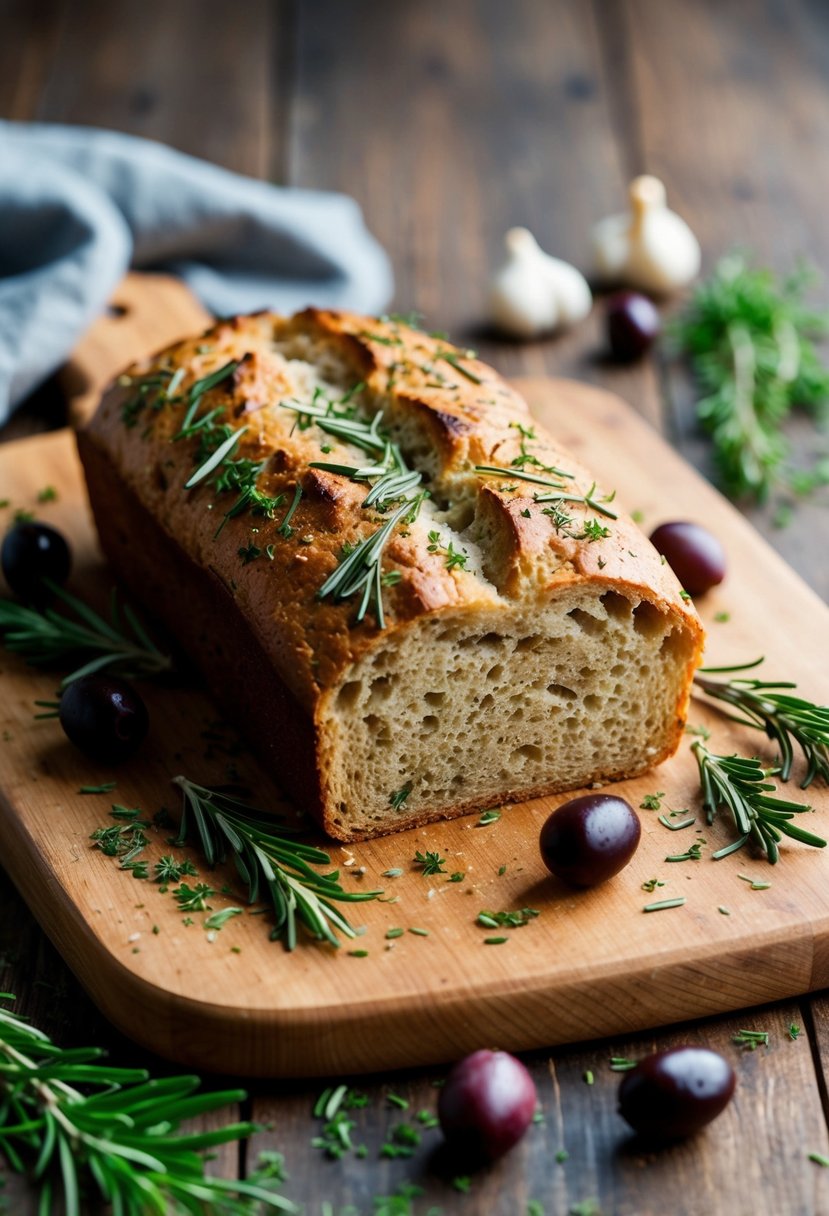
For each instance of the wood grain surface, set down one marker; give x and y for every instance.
(729, 103)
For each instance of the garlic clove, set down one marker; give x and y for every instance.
(649, 247)
(534, 293)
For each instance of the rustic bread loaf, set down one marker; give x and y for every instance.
(414, 603)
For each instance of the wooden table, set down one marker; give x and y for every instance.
(449, 121)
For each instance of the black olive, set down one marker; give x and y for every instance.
(104, 717)
(589, 839)
(632, 325)
(30, 553)
(694, 554)
(486, 1104)
(676, 1092)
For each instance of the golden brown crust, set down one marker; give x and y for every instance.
(449, 412)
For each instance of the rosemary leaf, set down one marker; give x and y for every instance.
(273, 865)
(48, 638)
(741, 785)
(75, 1127)
(789, 721)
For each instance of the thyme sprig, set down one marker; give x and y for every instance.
(788, 720)
(273, 865)
(117, 1138)
(748, 336)
(741, 785)
(46, 637)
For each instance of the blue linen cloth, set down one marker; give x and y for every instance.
(79, 205)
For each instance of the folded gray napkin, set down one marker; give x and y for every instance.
(79, 205)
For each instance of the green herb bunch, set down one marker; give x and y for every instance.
(749, 338)
(46, 637)
(273, 865)
(789, 721)
(741, 784)
(83, 1130)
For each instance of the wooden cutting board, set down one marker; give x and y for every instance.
(590, 964)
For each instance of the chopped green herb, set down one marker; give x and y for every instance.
(397, 799)
(723, 911)
(431, 863)
(512, 920)
(794, 1031)
(193, 899)
(106, 788)
(663, 904)
(562, 1155)
(694, 853)
(488, 817)
(391, 873)
(587, 1207)
(651, 884)
(249, 553)
(495, 941)
(722, 617)
(396, 1100)
(652, 802)
(419, 932)
(751, 1039)
(358, 953)
(458, 876)
(392, 933)
(677, 827)
(218, 919)
(589, 1079)
(622, 1064)
(463, 1184)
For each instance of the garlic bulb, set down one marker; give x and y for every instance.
(649, 247)
(534, 293)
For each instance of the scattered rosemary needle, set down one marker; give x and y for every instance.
(788, 720)
(740, 784)
(117, 1137)
(46, 638)
(273, 865)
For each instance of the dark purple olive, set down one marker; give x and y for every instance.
(694, 554)
(486, 1105)
(589, 839)
(104, 717)
(30, 553)
(676, 1092)
(633, 325)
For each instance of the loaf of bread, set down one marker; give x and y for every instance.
(409, 598)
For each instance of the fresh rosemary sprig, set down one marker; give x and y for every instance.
(748, 336)
(589, 499)
(115, 1139)
(785, 719)
(740, 784)
(392, 482)
(272, 864)
(46, 637)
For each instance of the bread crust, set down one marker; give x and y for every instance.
(449, 411)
